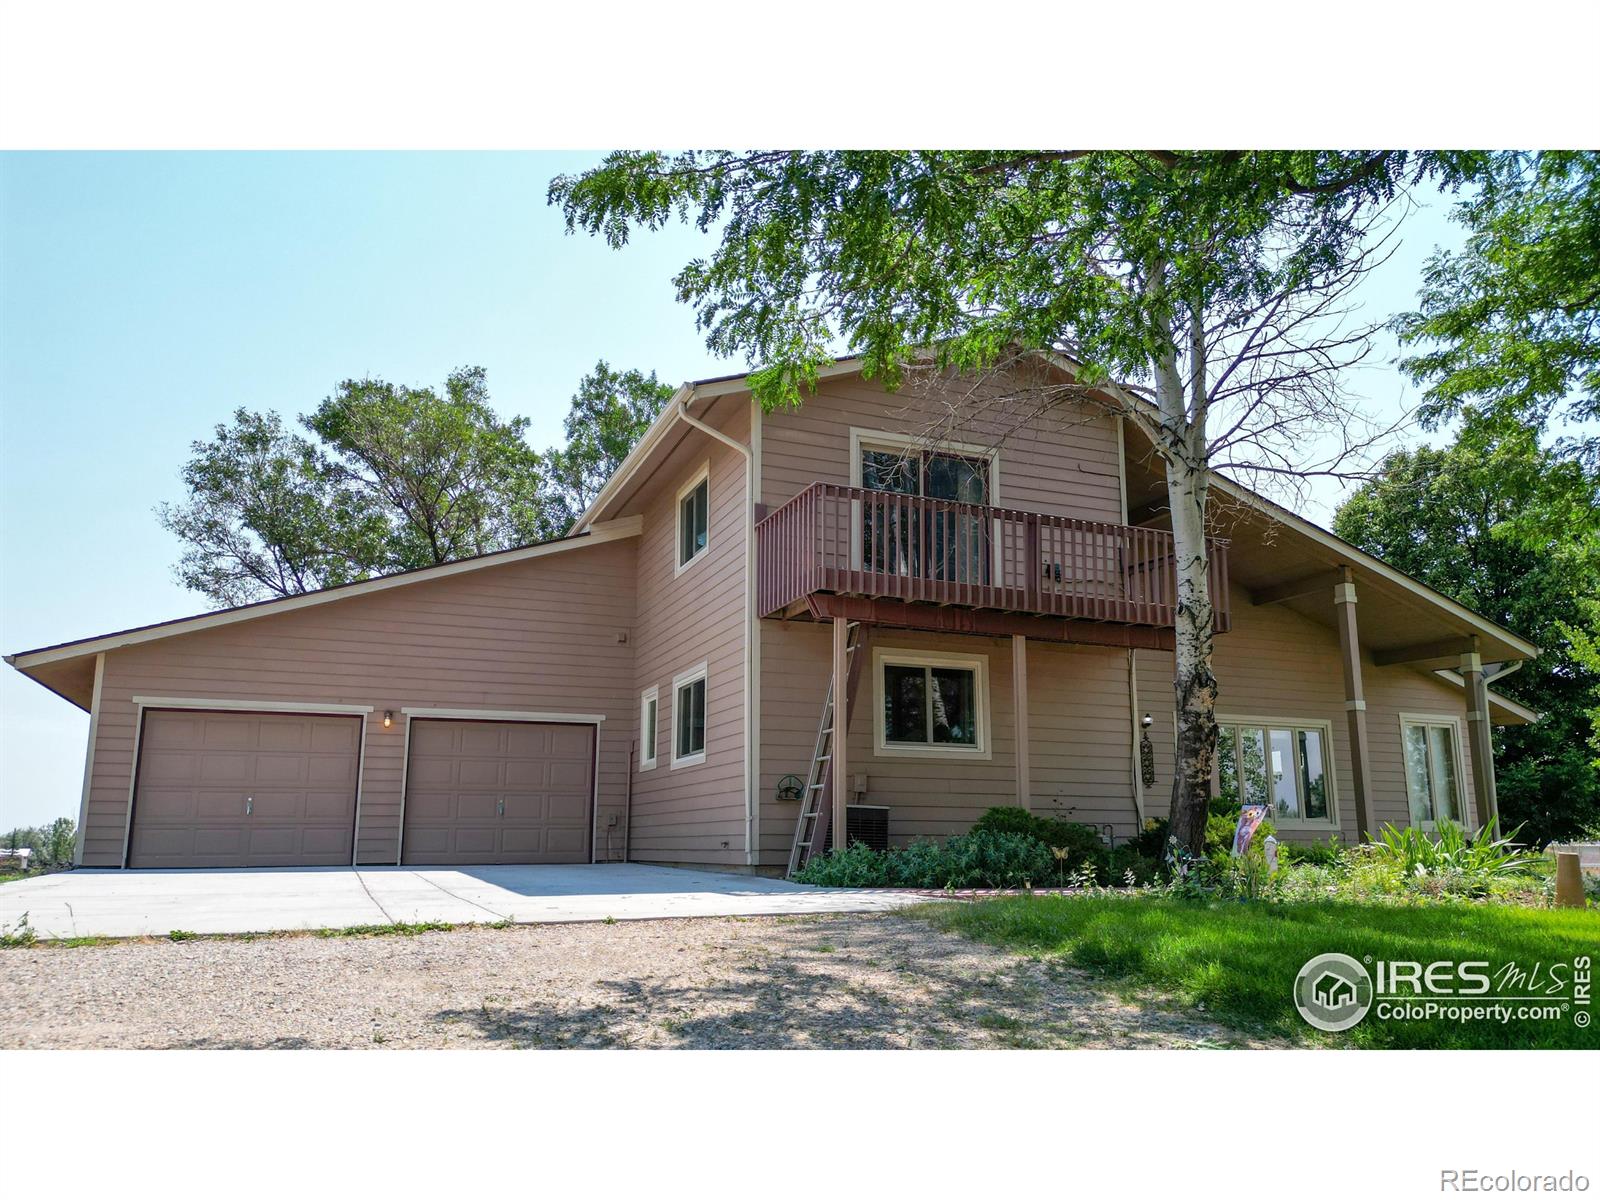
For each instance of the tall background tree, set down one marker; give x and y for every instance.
(1200, 294)
(610, 412)
(1512, 532)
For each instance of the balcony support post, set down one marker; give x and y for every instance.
(1019, 686)
(841, 731)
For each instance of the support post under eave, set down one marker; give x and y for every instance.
(1019, 685)
(1355, 704)
(1481, 737)
(841, 732)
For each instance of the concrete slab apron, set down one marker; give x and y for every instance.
(154, 903)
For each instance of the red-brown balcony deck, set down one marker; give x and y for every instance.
(937, 564)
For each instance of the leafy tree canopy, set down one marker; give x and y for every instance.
(1513, 532)
(1512, 321)
(609, 414)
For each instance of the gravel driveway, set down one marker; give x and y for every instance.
(876, 981)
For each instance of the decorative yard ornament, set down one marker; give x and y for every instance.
(790, 787)
(1147, 753)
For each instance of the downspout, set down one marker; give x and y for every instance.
(749, 608)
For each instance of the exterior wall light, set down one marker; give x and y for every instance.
(388, 717)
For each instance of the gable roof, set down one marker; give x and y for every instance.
(44, 655)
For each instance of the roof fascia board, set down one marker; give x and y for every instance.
(609, 531)
(665, 420)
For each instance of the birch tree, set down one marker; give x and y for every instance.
(1198, 293)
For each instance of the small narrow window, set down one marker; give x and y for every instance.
(689, 718)
(1433, 787)
(694, 519)
(649, 706)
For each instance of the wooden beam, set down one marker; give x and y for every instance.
(901, 614)
(1481, 738)
(1303, 586)
(841, 733)
(1424, 651)
(1019, 689)
(1355, 703)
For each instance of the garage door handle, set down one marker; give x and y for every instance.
(500, 808)
(249, 805)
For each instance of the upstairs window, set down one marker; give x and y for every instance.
(1284, 766)
(694, 518)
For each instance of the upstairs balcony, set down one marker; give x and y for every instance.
(899, 559)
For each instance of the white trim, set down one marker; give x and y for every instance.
(88, 760)
(651, 695)
(752, 683)
(405, 765)
(665, 420)
(701, 475)
(260, 706)
(610, 531)
(861, 437)
(1467, 802)
(978, 664)
(1495, 698)
(678, 683)
(1122, 475)
(497, 714)
(133, 784)
(1329, 771)
(361, 774)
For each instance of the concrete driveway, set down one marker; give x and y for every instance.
(136, 903)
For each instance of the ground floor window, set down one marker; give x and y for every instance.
(649, 705)
(931, 704)
(1432, 750)
(1282, 765)
(689, 717)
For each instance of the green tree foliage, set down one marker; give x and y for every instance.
(52, 844)
(390, 477)
(437, 472)
(609, 414)
(1512, 532)
(1513, 319)
(1201, 282)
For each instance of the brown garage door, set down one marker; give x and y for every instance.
(498, 792)
(232, 789)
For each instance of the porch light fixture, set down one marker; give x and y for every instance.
(388, 717)
(1147, 753)
(1146, 721)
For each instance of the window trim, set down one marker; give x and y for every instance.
(649, 731)
(978, 664)
(1469, 808)
(679, 682)
(702, 475)
(874, 439)
(1329, 824)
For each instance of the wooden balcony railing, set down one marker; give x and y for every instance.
(882, 545)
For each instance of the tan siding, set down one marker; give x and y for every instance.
(546, 635)
(1276, 663)
(694, 813)
(1065, 463)
(1078, 726)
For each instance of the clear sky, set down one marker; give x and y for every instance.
(144, 297)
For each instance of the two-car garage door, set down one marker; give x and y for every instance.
(258, 789)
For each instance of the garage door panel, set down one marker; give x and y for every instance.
(481, 792)
(196, 772)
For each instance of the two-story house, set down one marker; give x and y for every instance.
(660, 684)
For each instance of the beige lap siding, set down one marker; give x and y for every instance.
(1276, 663)
(1078, 729)
(1063, 463)
(694, 813)
(544, 635)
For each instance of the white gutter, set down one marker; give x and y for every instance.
(630, 465)
(681, 405)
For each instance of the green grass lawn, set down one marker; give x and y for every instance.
(1240, 960)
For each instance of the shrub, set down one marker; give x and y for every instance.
(1458, 860)
(983, 859)
(1321, 854)
(1081, 842)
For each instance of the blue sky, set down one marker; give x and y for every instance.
(144, 297)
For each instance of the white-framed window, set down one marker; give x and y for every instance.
(1430, 746)
(649, 720)
(929, 704)
(689, 717)
(1285, 764)
(694, 518)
